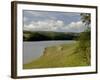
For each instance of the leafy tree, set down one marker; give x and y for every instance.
(86, 18)
(84, 38)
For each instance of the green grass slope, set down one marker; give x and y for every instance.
(58, 56)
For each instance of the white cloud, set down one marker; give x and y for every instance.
(76, 26)
(55, 25)
(47, 25)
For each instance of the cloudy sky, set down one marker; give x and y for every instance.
(52, 21)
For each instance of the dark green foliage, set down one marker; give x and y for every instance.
(37, 36)
(84, 46)
(47, 35)
(86, 18)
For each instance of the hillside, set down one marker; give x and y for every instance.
(58, 56)
(48, 35)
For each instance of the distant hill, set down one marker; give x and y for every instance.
(48, 35)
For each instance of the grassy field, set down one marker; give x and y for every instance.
(58, 56)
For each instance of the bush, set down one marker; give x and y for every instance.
(84, 45)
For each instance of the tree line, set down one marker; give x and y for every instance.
(48, 35)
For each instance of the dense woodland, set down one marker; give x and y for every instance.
(48, 35)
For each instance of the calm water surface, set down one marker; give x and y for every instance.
(33, 50)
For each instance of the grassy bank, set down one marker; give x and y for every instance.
(58, 56)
